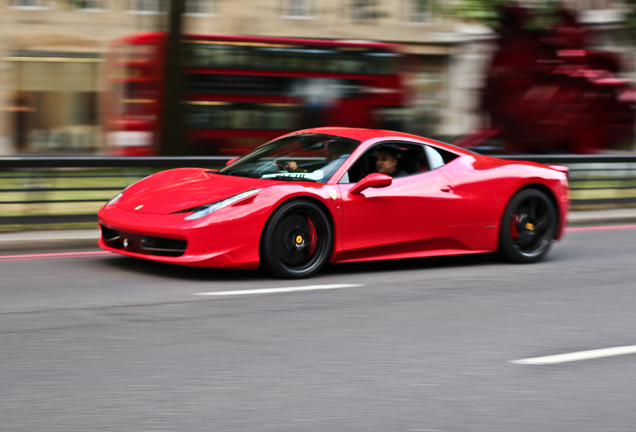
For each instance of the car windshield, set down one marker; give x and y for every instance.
(308, 157)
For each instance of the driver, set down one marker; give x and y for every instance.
(386, 163)
(335, 150)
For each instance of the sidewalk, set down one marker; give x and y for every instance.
(87, 238)
(53, 239)
(602, 217)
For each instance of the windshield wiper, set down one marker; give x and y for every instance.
(236, 173)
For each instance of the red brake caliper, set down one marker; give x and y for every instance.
(313, 238)
(514, 221)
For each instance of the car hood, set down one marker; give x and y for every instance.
(180, 189)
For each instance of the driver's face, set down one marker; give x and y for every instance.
(385, 163)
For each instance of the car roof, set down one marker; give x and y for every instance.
(364, 135)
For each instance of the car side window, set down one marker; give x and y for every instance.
(412, 158)
(435, 159)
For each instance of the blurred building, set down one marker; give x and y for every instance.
(51, 56)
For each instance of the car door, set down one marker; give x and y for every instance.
(410, 215)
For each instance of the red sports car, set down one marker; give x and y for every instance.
(339, 195)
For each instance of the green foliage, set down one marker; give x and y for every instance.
(485, 12)
(630, 20)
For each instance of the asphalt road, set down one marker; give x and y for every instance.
(91, 341)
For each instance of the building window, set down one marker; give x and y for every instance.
(148, 6)
(362, 10)
(90, 4)
(201, 7)
(418, 11)
(28, 4)
(296, 8)
(56, 100)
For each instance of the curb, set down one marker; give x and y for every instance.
(601, 217)
(87, 238)
(80, 238)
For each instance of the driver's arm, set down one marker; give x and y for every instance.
(293, 167)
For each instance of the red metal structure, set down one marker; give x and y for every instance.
(547, 92)
(242, 91)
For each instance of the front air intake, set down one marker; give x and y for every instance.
(143, 244)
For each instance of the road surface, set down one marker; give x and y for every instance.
(92, 341)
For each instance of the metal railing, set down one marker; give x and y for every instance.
(595, 180)
(62, 190)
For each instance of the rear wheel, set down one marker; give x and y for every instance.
(528, 227)
(297, 240)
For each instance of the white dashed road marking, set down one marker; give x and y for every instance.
(278, 290)
(576, 356)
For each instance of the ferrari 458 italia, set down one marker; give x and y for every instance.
(339, 195)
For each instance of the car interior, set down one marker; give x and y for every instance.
(412, 158)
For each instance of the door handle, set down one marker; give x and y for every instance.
(446, 189)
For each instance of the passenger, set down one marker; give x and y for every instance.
(386, 163)
(337, 150)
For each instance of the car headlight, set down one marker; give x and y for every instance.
(206, 209)
(116, 198)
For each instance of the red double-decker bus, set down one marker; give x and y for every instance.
(239, 92)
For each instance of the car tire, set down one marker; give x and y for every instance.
(297, 240)
(528, 227)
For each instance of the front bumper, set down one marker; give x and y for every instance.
(229, 239)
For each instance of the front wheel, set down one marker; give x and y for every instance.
(297, 240)
(528, 227)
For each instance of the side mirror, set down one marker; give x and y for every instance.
(231, 161)
(373, 180)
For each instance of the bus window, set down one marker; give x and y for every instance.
(209, 56)
(270, 90)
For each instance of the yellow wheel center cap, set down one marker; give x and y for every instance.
(299, 239)
(530, 227)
